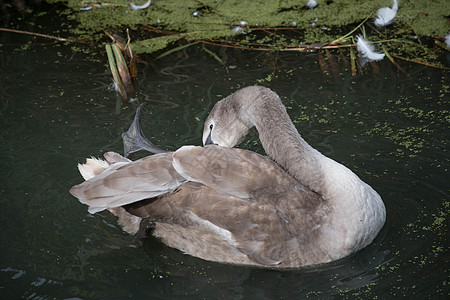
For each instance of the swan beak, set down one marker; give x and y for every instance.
(209, 140)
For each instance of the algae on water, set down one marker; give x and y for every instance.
(277, 24)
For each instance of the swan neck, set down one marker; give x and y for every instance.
(282, 142)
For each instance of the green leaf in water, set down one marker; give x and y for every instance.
(115, 72)
(215, 56)
(175, 49)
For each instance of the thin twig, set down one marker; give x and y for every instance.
(303, 48)
(44, 36)
(419, 62)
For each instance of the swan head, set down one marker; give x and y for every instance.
(227, 124)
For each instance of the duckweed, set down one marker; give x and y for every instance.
(165, 22)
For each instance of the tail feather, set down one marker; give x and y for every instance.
(92, 167)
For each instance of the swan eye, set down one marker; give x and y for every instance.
(211, 126)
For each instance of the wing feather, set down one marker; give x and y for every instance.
(127, 182)
(236, 172)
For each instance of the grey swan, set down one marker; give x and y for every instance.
(292, 208)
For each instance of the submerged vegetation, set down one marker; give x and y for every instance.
(416, 34)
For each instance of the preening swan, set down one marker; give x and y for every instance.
(294, 207)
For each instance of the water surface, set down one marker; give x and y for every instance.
(58, 107)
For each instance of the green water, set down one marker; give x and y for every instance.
(57, 108)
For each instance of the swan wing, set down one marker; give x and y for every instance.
(125, 182)
(227, 202)
(242, 206)
(237, 172)
(216, 226)
(250, 197)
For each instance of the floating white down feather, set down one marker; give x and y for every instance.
(386, 15)
(367, 50)
(311, 3)
(143, 6)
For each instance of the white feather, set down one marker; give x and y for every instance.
(447, 40)
(238, 29)
(143, 6)
(311, 3)
(367, 50)
(386, 15)
(92, 167)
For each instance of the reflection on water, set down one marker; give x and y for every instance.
(56, 109)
